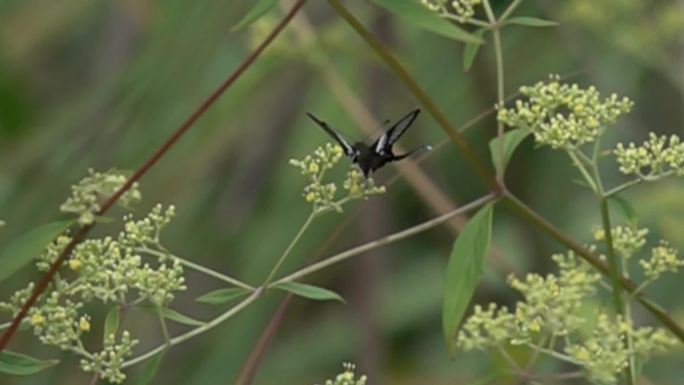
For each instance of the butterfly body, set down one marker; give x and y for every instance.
(372, 157)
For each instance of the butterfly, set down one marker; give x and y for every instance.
(373, 157)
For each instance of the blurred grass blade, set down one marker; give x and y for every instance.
(531, 22)
(512, 140)
(470, 51)
(258, 10)
(28, 246)
(151, 368)
(309, 291)
(221, 296)
(111, 324)
(417, 14)
(22, 365)
(463, 273)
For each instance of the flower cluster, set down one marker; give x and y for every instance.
(563, 116)
(656, 157)
(108, 269)
(323, 195)
(463, 9)
(87, 195)
(552, 307)
(663, 259)
(627, 241)
(109, 361)
(347, 377)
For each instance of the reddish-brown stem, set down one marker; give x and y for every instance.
(151, 161)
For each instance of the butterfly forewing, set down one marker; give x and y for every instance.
(344, 143)
(384, 143)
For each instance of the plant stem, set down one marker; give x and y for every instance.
(583, 170)
(165, 330)
(612, 258)
(198, 267)
(507, 13)
(289, 248)
(471, 21)
(209, 325)
(478, 166)
(386, 240)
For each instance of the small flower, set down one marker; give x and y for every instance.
(84, 323)
(37, 320)
(74, 264)
(663, 259)
(463, 9)
(348, 377)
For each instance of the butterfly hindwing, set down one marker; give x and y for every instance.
(344, 143)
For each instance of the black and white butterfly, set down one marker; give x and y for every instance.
(373, 157)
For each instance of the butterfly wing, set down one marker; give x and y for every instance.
(383, 145)
(344, 143)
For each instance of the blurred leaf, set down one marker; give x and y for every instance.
(531, 22)
(221, 296)
(414, 12)
(2, 223)
(151, 368)
(111, 324)
(22, 365)
(470, 50)
(464, 271)
(173, 315)
(512, 140)
(309, 291)
(626, 208)
(28, 246)
(258, 10)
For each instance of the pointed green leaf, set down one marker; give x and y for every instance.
(511, 139)
(309, 291)
(28, 246)
(416, 13)
(258, 10)
(221, 296)
(626, 208)
(470, 50)
(531, 22)
(173, 315)
(111, 325)
(151, 368)
(22, 365)
(463, 273)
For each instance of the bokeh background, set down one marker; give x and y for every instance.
(101, 84)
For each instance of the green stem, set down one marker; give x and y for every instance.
(554, 354)
(289, 249)
(194, 332)
(197, 267)
(471, 21)
(162, 322)
(456, 137)
(507, 13)
(386, 240)
(612, 258)
(583, 170)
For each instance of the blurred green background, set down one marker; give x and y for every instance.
(101, 84)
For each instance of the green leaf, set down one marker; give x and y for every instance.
(28, 246)
(258, 10)
(412, 11)
(111, 325)
(464, 271)
(470, 51)
(309, 291)
(179, 317)
(531, 22)
(626, 208)
(221, 296)
(173, 315)
(22, 365)
(151, 368)
(512, 140)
